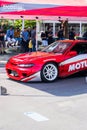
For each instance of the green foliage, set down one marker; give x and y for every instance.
(5, 24)
(16, 23)
(30, 23)
(27, 23)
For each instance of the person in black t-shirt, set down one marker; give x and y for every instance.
(44, 39)
(72, 34)
(50, 36)
(61, 34)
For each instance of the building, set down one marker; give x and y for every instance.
(79, 26)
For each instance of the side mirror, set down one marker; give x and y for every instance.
(72, 53)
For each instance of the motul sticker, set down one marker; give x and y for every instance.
(77, 66)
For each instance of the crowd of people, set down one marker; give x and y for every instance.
(13, 37)
(47, 36)
(27, 38)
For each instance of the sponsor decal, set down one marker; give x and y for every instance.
(77, 66)
(34, 77)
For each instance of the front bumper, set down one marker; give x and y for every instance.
(23, 74)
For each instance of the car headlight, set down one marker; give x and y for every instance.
(26, 65)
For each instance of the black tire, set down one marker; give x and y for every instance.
(49, 72)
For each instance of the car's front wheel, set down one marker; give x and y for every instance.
(49, 72)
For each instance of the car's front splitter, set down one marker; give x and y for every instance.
(33, 77)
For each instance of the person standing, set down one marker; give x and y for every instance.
(17, 35)
(44, 39)
(2, 42)
(60, 34)
(50, 36)
(72, 34)
(33, 38)
(25, 40)
(29, 31)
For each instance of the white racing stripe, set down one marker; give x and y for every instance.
(34, 77)
(35, 116)
(74, 59)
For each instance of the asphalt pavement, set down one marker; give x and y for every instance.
(9, 52)
(61, 105)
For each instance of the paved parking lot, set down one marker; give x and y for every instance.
(61, 105)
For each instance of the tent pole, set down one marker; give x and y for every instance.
(80, 29)
(53, 29)
(36, 33)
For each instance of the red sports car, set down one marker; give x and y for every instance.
(60, 59)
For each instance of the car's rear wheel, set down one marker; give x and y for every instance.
(49, 72)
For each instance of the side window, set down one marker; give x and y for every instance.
(81, 48)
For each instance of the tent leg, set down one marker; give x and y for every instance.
(53, 29)
(80, 29)
(36, 34)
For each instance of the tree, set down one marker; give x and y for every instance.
(28, 23)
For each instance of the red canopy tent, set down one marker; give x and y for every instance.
(72, 12)
(54, 2)
(71, 9)
(3, 3)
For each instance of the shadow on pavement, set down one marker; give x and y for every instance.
(70, 86)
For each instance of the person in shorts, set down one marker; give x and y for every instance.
(10, 36)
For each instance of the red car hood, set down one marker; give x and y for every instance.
(28, 57)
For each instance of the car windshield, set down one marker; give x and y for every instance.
(57, 47)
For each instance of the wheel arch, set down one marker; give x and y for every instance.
(49, 62)
(53, 62)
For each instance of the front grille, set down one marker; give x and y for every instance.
(12, 73)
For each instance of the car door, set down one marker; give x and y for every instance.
(75, 63)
